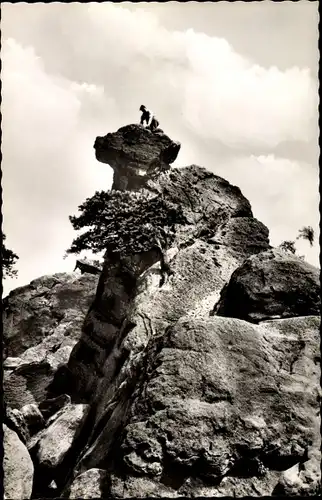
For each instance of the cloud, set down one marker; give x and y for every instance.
(74, 71)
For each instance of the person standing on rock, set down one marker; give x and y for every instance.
(148, 117)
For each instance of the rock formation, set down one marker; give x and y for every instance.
(42, 322)
(208, 385)
(132, 152)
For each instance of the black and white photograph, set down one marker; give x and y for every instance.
(161, 290)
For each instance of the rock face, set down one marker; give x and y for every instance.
(163, 394)
(224, 398)
(48, 305)
(132, 152)
(17, 466)
(51, 448)
(42, 322)
(272, 284)
(90, 484)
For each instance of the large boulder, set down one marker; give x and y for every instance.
(52, 444)
(271, 284)
(52, 448)
(223, 400)
(17, 467)
(133, 152)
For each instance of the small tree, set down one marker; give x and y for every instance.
(288, 246)
(124, 222)
(307, 233)
(9, 259)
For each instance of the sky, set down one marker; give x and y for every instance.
(235, 82)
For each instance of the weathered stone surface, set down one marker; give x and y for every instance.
(49, 407)
(52, 443)
(33, 418)
(242, 235)
(91, 484)
(36, 311)
(181, 403)
(55, 448)
(130, 310)
(42, 323)
(133, 152)
(11, 363)
(303, 479)
(17, 467)
(199, 270)
(221, 397)
(271, 284)
(15, 420)
(147, 487)
(27, 384)
(204, 197)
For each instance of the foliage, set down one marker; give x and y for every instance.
(124, 222)
(9, 259)
(288, 246)
(307, 233)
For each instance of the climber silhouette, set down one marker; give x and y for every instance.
(148, 117)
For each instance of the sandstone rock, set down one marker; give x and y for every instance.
(90, 484)
(132, 151)
(144, 487)
(271, 284)
(49, 407)
(51, 444)
(181, 404)
(105, 365)
(33, 418)
(224, 398)
(27, 384)
(140, 487)
(42, 323)
(242, 235)
(206, 199)
(34, 312)
(303, 479)
(17, 466)
(14, 419)
(11, 363)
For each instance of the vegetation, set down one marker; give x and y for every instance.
(124, 222)
(288, 246)
(9, 259)
(307, 233)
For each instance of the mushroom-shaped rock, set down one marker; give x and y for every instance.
(18, 467)
(271, 284)
(135, 154)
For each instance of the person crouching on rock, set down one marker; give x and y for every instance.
(148, 117)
